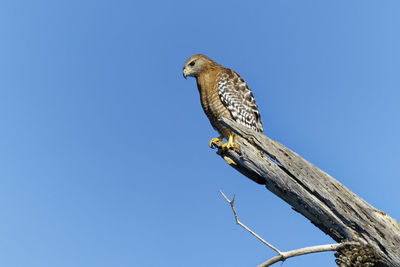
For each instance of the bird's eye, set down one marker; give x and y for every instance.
(191, 64)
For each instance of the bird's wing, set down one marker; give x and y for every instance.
(237, 97)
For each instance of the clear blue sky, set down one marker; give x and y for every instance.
(104, 157)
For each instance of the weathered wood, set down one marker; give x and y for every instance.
(328, 204)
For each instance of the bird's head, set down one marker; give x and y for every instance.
(195, 65)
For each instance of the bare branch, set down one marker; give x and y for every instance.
(284, 255)
(244, 226)
(327, 203)
(302, 251)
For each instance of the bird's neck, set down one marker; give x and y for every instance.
(204, 80)
(206, 87)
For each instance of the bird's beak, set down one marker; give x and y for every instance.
(185, 73)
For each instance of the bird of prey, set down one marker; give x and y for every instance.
(223, 94)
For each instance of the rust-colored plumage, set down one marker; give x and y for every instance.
(223, 93)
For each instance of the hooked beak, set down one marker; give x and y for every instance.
(185, 73)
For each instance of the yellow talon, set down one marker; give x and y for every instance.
(214, 140)
(230, 145)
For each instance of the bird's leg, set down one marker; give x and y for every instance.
(214, 140)
(231, 144)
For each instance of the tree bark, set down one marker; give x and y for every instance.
(328, 204)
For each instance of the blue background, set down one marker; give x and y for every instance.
(104, 157)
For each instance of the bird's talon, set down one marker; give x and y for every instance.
(230, 145)
(213, 142)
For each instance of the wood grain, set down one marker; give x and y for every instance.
(327, 203)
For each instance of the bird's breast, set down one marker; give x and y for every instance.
(211, 103)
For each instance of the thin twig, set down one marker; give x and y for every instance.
(289, 254)
(245, 227)
(302, 251)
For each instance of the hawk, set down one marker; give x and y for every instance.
(223, 94)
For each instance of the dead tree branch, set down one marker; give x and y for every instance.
(231, 202)
(328, 204)
(303, 251)
(284, 255)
